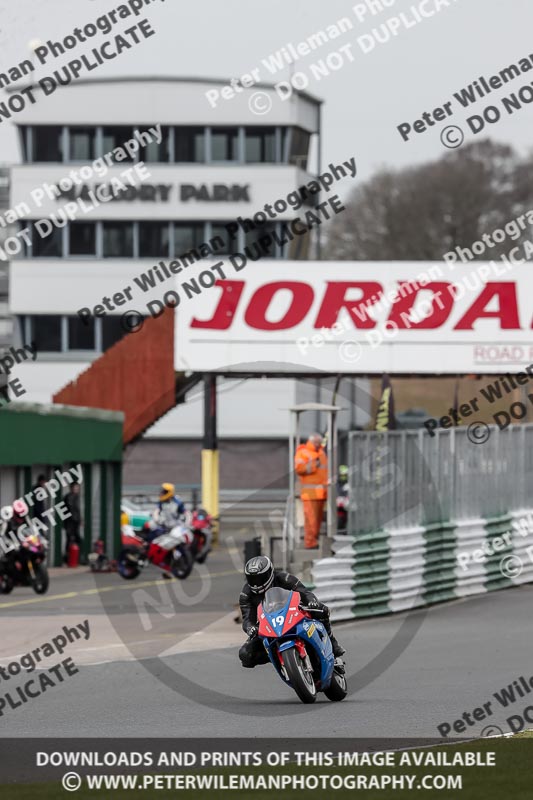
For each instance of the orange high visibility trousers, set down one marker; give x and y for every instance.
(313, 513)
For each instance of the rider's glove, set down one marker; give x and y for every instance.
(252, 631)
(312, 605)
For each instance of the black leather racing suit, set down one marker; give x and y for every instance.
(253, 651)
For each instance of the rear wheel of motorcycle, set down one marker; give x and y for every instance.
(301, 680)
(126, 566)
(41, 579)
(338, 688)
(182, 565)
(6, 584)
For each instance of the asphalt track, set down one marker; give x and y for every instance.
(159, 664)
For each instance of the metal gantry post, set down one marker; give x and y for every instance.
(332, 475)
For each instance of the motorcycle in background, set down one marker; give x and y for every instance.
(343, 500)
(342, 513)
(169, 550)
(201, 525)
(98, 561)
(22, 560)
(299, 647)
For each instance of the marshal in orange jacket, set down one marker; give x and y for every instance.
(311, 465)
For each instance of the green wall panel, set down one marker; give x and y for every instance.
(31, 434)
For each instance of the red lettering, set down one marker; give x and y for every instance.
(335, 299)
(301, 302)
(226, 308)
(507, 311)
(439, 312)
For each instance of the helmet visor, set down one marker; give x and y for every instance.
(261, 581)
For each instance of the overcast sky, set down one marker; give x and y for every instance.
(416, 71)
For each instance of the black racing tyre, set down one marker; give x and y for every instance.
(41, 579)
(338, 688)
(200, 542)
(6, 584)
(127, 563)
(182, 562)
(302, 682)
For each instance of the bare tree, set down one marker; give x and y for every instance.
(420, 213)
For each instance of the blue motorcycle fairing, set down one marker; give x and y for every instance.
(286, 645)
(309, 631)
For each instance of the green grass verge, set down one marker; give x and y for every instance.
(510, 778)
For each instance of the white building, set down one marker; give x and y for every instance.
(6, 329)
(212, 166)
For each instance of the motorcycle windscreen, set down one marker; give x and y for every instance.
(275, 599)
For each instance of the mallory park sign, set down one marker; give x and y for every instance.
(163, 193)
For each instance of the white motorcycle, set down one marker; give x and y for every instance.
(169, 550)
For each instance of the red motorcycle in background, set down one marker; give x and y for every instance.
(342, 514)
(201, 525)
(172, 550)
(169, 550)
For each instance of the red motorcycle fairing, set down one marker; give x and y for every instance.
(200, 520)
(294, 615)
(131, 539)
(199, 538)
(157, 555)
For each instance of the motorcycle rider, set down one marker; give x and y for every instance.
(10, 539)
(260, 576)
(343, 487)
(170, 511)
(19, 516)
(343, 498)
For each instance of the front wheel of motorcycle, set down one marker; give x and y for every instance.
(127, 564)
(40, 579)
(182, 562)
(338, 688)
(301, 679)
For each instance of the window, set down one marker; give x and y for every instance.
(47, 143)
(81, 334)
(229, 246)
(153, 240)
(260, 145)
(118, 240)
(82, 239)
(50, 246)
(189, 144)
(187, 236)
(112, 330)
(82, 144)
(154, 152)
(253, 236)
(115, 137)
(224, 144)
(284, 145)
(23, 136)
(299, 148)
(46, 333)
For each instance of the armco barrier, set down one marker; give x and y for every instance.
(394, 570)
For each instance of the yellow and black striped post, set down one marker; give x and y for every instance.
(210, 461)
